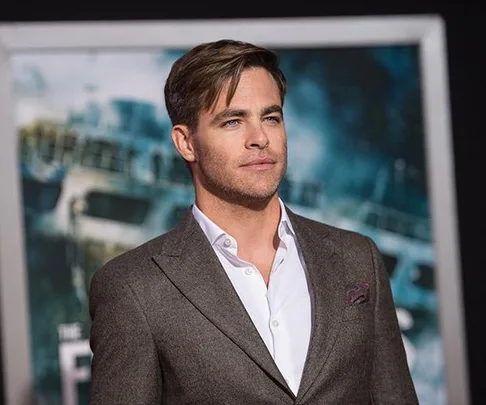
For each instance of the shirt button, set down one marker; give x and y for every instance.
(275, 323)
(248, 271)
(227, 242)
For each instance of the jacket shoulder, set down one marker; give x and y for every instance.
(137, 258)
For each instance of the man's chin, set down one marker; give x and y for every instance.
(254, 198)
(242, 193)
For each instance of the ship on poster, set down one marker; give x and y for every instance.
(100, 176)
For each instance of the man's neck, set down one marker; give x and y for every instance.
(249, 226)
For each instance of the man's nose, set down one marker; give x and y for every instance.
(257, 137)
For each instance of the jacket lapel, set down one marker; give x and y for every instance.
(190, 263)
(326, 281)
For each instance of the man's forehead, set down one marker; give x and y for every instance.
(244, 103)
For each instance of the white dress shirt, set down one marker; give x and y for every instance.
(282, 312)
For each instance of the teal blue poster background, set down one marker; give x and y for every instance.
(100, 175)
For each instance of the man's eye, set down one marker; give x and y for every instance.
(273, 119)
(230, 123)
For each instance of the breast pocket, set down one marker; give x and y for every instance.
(358, 304)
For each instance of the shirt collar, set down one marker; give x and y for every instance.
(213, 232)
(285, 224)
(210, 229)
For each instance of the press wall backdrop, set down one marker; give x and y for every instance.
(100, 175)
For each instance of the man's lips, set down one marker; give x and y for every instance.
(260, 162)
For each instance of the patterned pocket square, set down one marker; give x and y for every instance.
(357, 293)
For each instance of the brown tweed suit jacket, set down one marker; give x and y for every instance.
(168, 327)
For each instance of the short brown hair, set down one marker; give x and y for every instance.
(196, 79)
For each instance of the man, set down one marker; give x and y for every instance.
(244, 302)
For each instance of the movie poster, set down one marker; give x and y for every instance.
(100, 176)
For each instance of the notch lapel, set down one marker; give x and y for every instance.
(326, 280)
(188, 260)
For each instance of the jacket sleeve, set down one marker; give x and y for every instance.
(391, 382)
(124, 367)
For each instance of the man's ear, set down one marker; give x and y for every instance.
(182, 138)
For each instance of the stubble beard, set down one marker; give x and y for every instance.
(236, 192)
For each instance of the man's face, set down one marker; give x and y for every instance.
(240, 150)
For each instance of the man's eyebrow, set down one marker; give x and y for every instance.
(272, 109)
(228, 113)
(235, 112)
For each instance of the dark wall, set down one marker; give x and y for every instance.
(466, 37)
